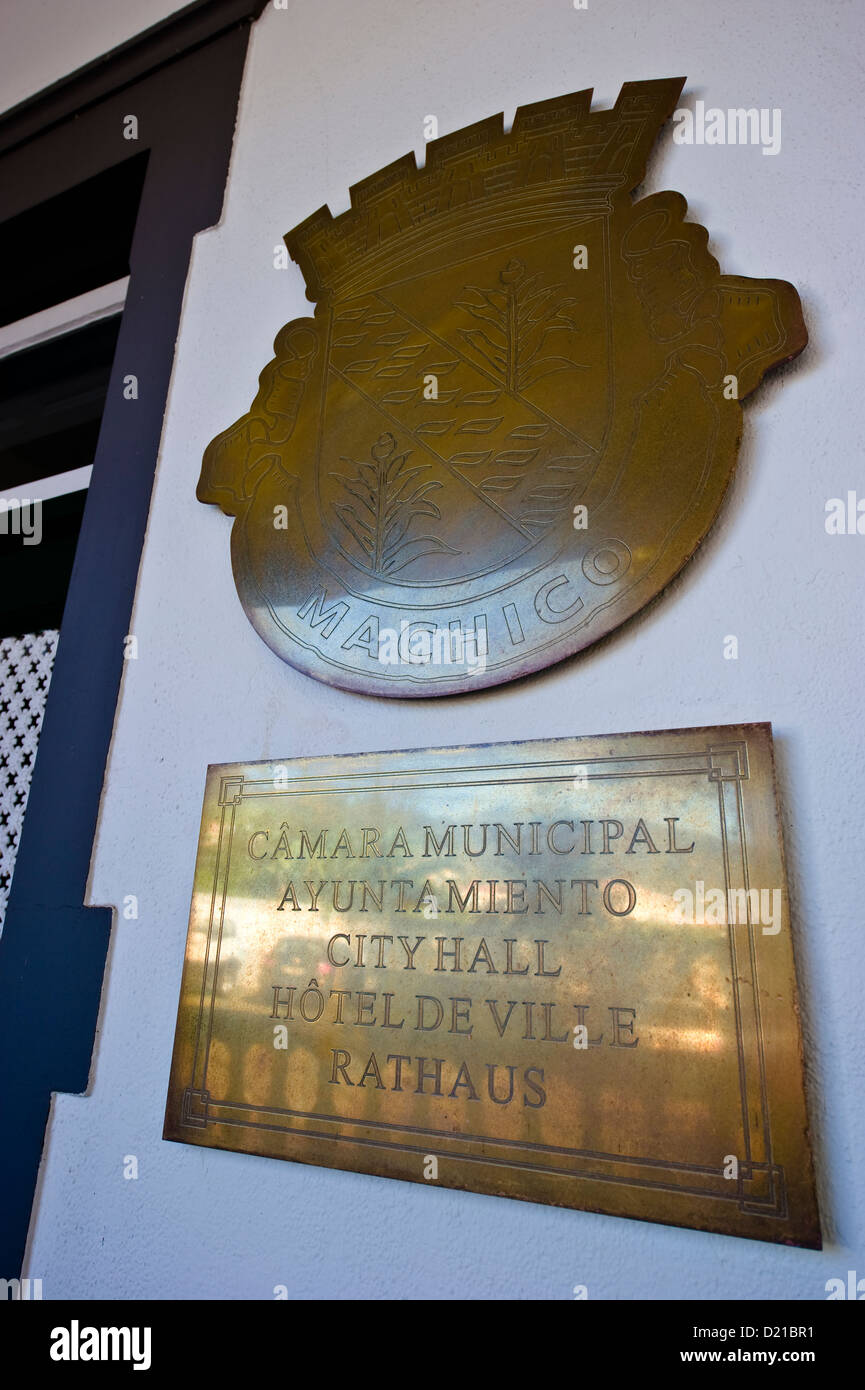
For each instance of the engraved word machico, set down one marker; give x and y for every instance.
(513, 416)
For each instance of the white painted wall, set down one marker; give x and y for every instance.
(333, 91)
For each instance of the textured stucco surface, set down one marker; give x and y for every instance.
(332, 92)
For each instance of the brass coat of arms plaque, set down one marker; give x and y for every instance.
(559, 971)
(512, 417)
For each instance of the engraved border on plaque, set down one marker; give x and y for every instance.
(760, 1185)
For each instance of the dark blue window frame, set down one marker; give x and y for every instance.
(181, 79)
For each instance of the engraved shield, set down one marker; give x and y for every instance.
(513, 416)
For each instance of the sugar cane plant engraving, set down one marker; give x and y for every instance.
(386, 501)
(518, 319)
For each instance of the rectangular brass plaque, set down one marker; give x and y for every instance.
(558, 970)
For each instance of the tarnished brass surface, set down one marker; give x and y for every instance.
(499, 340)
(480, 967)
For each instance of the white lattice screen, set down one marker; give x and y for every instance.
(25, 674)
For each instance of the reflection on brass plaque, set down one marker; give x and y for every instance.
(513, 416)
(556, 970)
